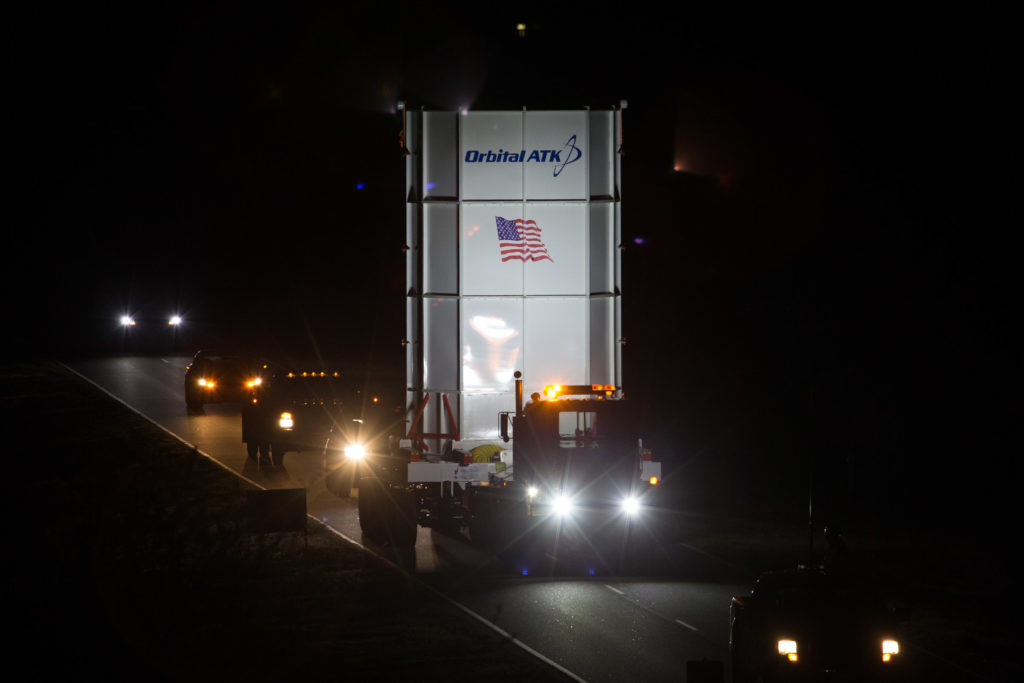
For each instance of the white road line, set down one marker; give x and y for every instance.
(614, 589)
(683, 623)
(494, 627)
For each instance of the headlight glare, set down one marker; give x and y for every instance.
(355, 452)
(787, 648)
(630, 506)
(890, 648)
(563, 505)
(286, 421)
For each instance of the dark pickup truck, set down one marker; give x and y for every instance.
(295, 411)
(325, 412)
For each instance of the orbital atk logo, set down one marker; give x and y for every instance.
(559, 158)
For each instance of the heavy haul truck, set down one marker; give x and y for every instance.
(512, 243)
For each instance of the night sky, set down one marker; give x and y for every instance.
(819, 253)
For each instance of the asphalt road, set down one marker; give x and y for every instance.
(597, 628)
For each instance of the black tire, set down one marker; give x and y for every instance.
(339, 482)
(252, 449)
(401, 517)
(387, 515)
(371, 510)
(277, 452)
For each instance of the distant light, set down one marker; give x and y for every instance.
(431, 186)
(127, 320)
(360, 186)
(521, 30)
(639, 240)
(526, 572)
(175, 320)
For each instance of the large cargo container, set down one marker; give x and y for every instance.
(512, 247)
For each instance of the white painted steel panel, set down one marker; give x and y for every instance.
(480, 416)
(555, 329)
(488, 141)
(556, 159)
(440, 249)
(440, 355)
(440, 155)
(492, 338)
(483, 272)
(563, 229)
(601, 147)
(603, 249)
(603, 347)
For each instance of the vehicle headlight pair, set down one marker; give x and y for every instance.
(207, 383)
(286, 421)
(788, 649)
(563, 505)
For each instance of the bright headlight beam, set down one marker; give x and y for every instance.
(563, 505)
(631, 506)
(355, 452)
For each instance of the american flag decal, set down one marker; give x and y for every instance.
(520, 240)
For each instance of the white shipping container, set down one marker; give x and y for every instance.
(513, 233)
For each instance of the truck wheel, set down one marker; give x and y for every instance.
(401, 517)
(371, 511)
(277, 455)
(387, 514)
(252, 449)
(339, 482)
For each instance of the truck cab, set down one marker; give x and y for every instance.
(577, 452)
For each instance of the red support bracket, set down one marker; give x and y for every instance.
(420, 436)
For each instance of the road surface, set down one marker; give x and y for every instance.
(595, 628)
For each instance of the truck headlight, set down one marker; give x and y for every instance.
(787, 648)
(890, 648)
(355, 452)
(562, 505)
(630, 506)
(286, 421)
(532, 492)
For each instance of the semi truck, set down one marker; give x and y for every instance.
(512, 243)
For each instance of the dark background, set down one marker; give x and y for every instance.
(819, 264)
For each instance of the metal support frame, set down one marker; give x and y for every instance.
(420, 436)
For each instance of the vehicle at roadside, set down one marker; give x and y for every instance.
(810, 625)
(295, 411)
(214, 377)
